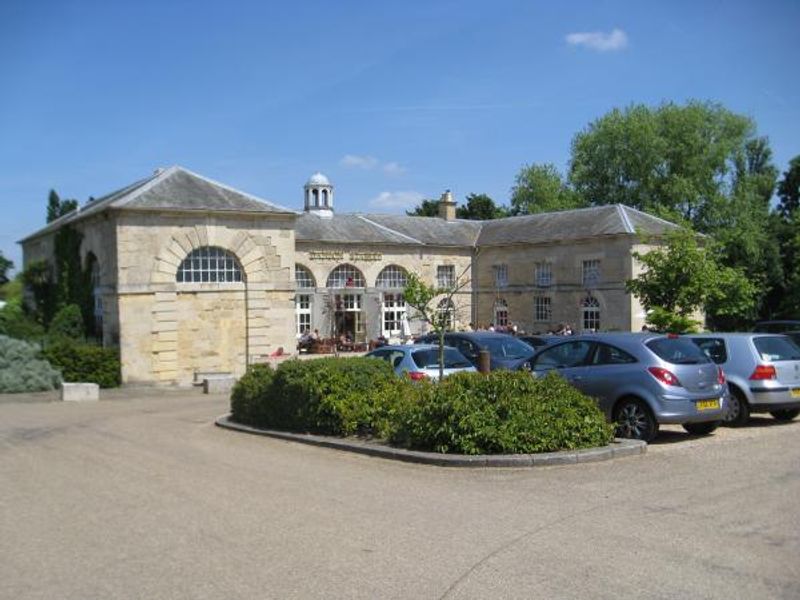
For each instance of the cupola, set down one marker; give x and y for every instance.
(319, 195)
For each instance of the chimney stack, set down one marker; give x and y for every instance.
(447, 206)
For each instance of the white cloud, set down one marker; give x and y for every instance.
(407, 199)
(599, 40)
(393, 168)
(359, 162)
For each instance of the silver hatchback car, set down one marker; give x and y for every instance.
(421, 361)
(763, 373)
(641, 380)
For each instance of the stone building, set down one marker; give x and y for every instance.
(191, 276)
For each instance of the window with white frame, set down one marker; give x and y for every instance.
(542, 309)
(500, 313)
(391, 277)
(348, 302)
(543, 274)
(393, 314)
(209, 264)
(303, 277)
(591, 273)
(446, 276)
(590, 309)
(346, 276)
(302, 311)
(500, 276)
(446, 313)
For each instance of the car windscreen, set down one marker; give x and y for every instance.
(776, 348)
(714, 349)
(506, 347)
(429, 359)
(678, 351)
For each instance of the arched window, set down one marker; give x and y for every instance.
(209, 264)
(325, 198)
(392, 277)
(446, 313)
(590, 312)
(315, 193)
(303, 277)
(500, 313)
(346, 276)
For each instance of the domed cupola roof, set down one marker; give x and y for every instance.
(318, 179)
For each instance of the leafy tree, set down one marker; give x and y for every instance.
(56, 207)
(480, 207)
(682, 277)
(428, 208)
(67, 324)
(789, 190)
(540, 188)
(425, 299)
(5, 266)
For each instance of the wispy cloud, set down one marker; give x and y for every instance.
(599, 40)
(393, 168)
(403, 199)
(353, 161)
(368, 163)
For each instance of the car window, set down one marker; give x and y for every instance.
(429, 359)
(611, 355)
(678, 351)
(382, 354)
(570, 354)
(776, 348)
(466, 347)
(714, 348)
(507, 347)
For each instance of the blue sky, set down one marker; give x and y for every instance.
(393, 101)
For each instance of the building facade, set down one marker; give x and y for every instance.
(192, 277)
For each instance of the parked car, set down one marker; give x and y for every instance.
(763, 373)
(505, 351)
(641, 380)
(539, 341)
(421, 361)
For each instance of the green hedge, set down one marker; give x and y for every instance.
(332, 396)
(85, 363)
(467, 413)
(23, 370)
(499, 413)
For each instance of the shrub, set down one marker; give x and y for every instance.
(499, 413)
(251, 393)
(23, 370)
(16, 323)
(334, 396)
(67, 324)
(85, 363)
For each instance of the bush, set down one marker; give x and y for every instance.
(23, 370)
(249, 395)
(499, 413)
(333, 396)
(16, 323)
(85, 363)
(67, 324)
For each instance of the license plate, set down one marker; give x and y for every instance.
(708, 404)
(796, 393)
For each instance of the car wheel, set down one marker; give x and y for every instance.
(738, 412)
(785, 415)
(701, 428)
(635, 420)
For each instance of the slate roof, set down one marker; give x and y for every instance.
(174, 188)
(613, 219)
(386, 229)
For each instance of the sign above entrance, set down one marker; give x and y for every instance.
(339, 255)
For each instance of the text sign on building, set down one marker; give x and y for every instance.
(338, 255)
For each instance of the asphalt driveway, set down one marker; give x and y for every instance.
(141, 496)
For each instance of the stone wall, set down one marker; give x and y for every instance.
(170, 330)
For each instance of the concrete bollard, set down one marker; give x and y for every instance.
(222, 384)
(80, 392)
(484, 361)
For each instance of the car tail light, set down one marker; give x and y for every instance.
(673, 336)
(720, 376)
(764, 372)
(417, 375)
(664, 376)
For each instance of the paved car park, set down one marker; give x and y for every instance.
(141, 496)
